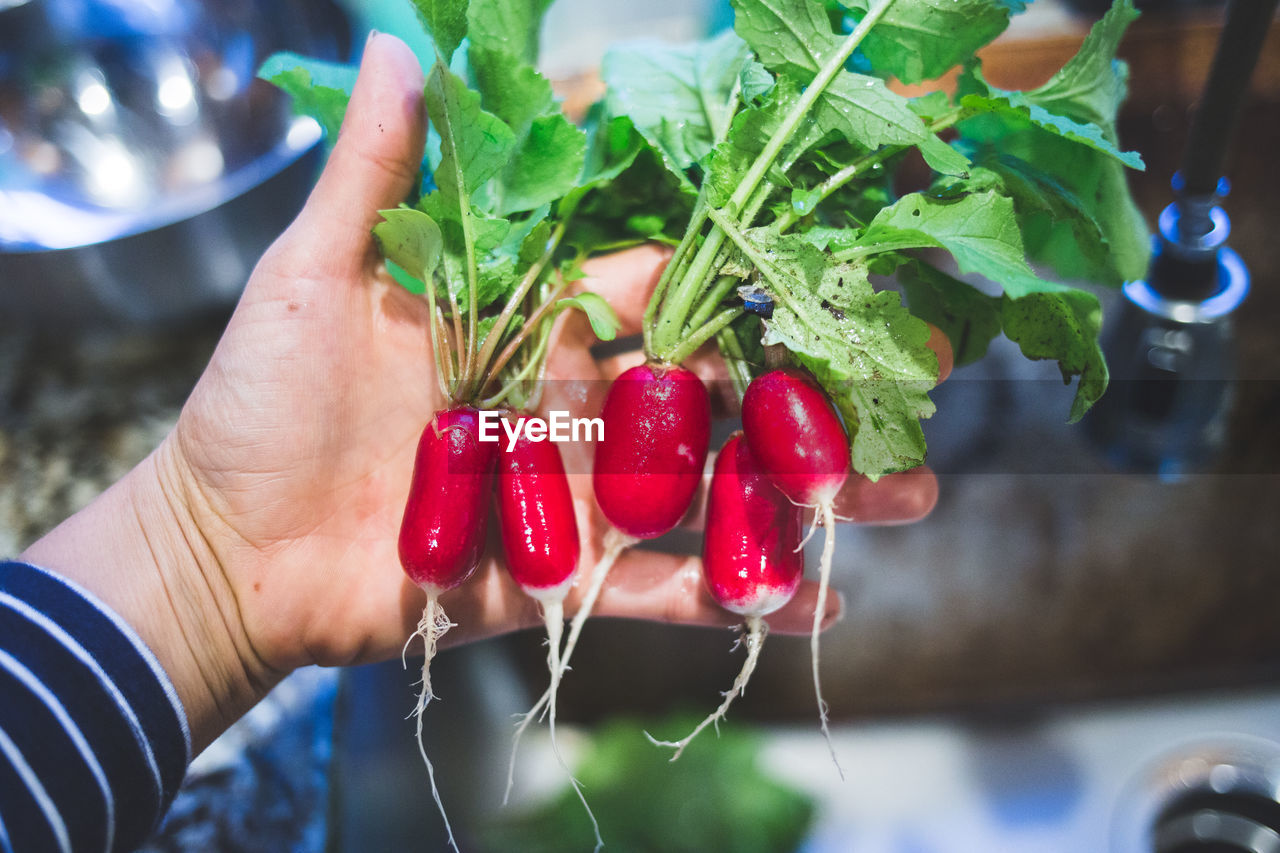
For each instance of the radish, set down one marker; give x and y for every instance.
(657, 428)
(796, 435)
(443, 532)
(752, 561)
(648, 466)
(540, 540)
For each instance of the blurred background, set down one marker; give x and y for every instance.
(1055, 660)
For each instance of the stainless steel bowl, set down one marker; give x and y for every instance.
(143, 167)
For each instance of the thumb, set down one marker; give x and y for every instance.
(376, 159)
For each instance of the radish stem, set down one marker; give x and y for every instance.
(757, 630)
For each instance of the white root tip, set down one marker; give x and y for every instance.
(757, 630)
(615, 542)
(553, 613)
(824, 582)
(433, 625)
(813, 528)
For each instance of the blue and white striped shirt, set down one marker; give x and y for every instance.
(93, 740)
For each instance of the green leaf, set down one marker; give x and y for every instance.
(863, 347)
(474, 144)
(510, 89)
(680, 97)
(319, 89)
(446, 23)
(921, 39)
(508, 26)
(1062, 326)
(789, 36)
(1097, 181)
(748, 134)
(545, 166)
(1018, 109)
(980, 231)
(411, 239)
(754, 82)
(1044, 207)
(1086, 93)
(534, 243)
(1092, 85)
(405, 279)
(626, 183)
(943, 158)
(968, 317)
(863, 110)
(604, 322)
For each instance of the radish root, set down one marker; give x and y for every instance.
(757, 630)
(431, 627)
(553, 614)
(615, 542)
(824, 581)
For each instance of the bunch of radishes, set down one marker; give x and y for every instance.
(768, 158)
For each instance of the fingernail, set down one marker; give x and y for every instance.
(372, 34)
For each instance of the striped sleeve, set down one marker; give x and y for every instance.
(93, 740)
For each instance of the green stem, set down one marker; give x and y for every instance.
(499, 329)
(692, 283)
(529, 369)
(735, 360)
(529, 327)
(720, 291)
(673, 270)
(779, 288)
(866, 163)
(706, 333)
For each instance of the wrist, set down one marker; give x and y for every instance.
(139, 548)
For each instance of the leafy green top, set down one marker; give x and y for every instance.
(490, 237)
(787, 137)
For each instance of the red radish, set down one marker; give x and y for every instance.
(751, 556)
(540, 540)
(443, 532)
(535, 514)
(657, 426)
(794, 431)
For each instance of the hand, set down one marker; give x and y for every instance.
(261, 535)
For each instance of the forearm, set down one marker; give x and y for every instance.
(138, 549)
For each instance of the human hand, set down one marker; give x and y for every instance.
(261, 536)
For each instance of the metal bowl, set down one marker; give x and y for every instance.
(143, 167)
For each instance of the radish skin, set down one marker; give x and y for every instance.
(751, 560)
(796, 434)
(442, 535)
(657, 429)
(540, 540)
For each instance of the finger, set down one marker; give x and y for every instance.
(669, 588)
(900, 498)
(893, 499)
(941, 346)
(376, 158)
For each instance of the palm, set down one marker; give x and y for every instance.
(313, 478)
